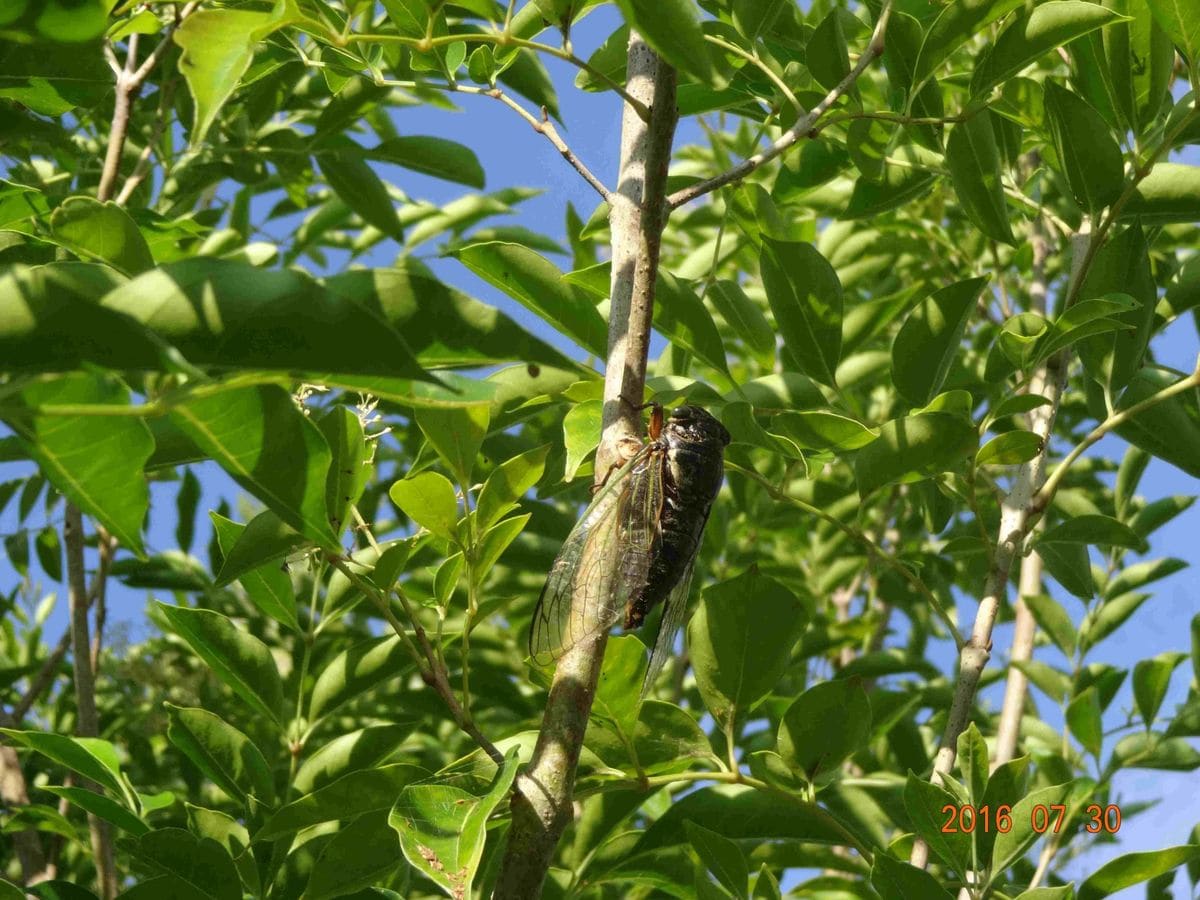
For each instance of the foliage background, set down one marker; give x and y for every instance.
(513, 155)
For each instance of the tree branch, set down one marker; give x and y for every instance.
(130, 79)
(1015, 520)
(87, 721)
(542, 804)
(803, 127)
(1029, 582)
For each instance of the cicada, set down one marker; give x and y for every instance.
(635, 545)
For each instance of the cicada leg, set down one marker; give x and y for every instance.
(627, 449)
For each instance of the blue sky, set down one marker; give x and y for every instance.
(514, 155)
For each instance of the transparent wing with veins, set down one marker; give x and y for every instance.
(603, 563)
(674, 608)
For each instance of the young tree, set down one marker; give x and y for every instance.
(926, 263)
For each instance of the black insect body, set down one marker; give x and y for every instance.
(635, 545)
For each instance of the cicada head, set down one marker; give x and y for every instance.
(697, 425)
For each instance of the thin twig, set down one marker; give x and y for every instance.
(753, 59)
(142, 168)
(803, 127)
(425, 656)
(1046, 494)
(543, 126)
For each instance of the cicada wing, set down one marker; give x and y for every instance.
(596, 569)
(674, 608)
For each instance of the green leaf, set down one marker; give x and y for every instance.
(1083, 718)
(1006, 785)
(442, 829)
(1054, 620)
(239, 659)
(581, 433)
(738, 418)
(1063, 892)
(49, 552)
(202, 863)
(434, 156)
(264, 539)
(357, 670)
(1134, 868)
(232, 314)
(1034, 33)
(973, 762)
(742, 315)
(1068, 564)
(538, 285)
(806, 298)
(1129, 475)
(353, 752)
(621, 675)
(744, 813)
(956, 24)
(218, 46)
(1180, 19)
(93, 759)
(672, 28)
(929, 339)
(740, 641)
(914, 447)
(1122, 266)
(230, 759)
(1151, 678)
(1170, 194)
(1087, 152)
(1010, 846)
(268, 586)
(456, 434)
(269, 447)
(348, 468)
(722, 857)
(428, 498)
(101, 231)
(827, 57)
(361, 853)
(1170, 429)
(357, 185)
(1151, 750)
(347, 797)
(507, 484)
(94, 461)
(895, 880)
(1009, 449)
(99, 805)
(867, 142)
(186, 502)
(1100, 622)
(665, 739)
(818, 429)
(1091, 529)
(495, 541)
(681, 316)
(1049, 680)
(974, 163)
(824, 726)
(925, 802)
(230, 834)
